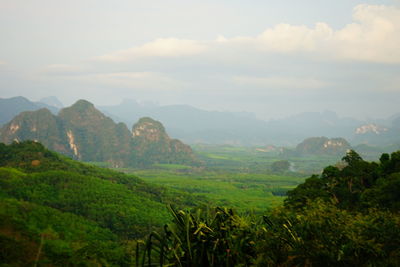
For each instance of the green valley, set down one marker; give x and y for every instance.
(200, 133)
(238, 207)
(242, 191)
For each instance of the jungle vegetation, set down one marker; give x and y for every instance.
(60, 212)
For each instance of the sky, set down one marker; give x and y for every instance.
(273, 58)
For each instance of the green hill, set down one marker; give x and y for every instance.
(323, 146)
(152, 144)
(72, 211)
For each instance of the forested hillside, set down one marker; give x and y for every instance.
(347, 216)
(57, 211)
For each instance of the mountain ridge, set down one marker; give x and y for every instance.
(84, 133)
(196, 126)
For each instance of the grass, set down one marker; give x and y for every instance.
(172, 166)
(242, 191)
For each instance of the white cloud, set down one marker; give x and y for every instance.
(63, 69)
(163, 47)
(277, 82)
(291, 38)
(374, 36)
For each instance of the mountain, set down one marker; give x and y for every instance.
(193, 125)
(371, 134)
(298, 127)
(150, 141)
(94, 137)
(52, 101)
(83, 132)
(385, 134)
(10, 107)
(323, 146)
(36, 125)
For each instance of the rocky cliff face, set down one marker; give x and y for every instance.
(377, 135)
(93, 136)
(84, 133)
(370, 128)
(40, 125)
(151, 142)
(323, 145)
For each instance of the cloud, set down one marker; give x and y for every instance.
(162, 48)
(279, 82)
(282, 60)
(63, 69)
(284, 38)
(373, 36)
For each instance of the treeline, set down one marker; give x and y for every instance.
(347, 216)
(357, 185)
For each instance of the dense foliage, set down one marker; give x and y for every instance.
(280, 166)
(356, 186)
(58, 211)
(345, 217)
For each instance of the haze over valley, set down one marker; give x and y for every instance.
(199, 133)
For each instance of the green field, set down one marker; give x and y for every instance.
(242, 191)
(237, 177)
(251, 160)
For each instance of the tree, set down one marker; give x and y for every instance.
(352, 158)
(280, 166)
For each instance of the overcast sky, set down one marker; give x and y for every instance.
(274, 58)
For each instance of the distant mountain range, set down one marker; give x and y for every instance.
(52, 101)
(10, 107)
(378, 134)
(193, 125)
(83, 132)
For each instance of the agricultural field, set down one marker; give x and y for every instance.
(237, 177)
(242, 191)
(255, 160)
